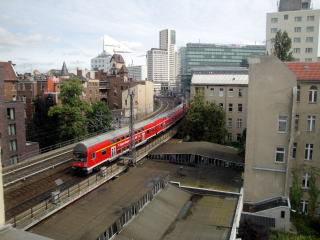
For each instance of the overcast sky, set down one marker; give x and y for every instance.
(41, 34)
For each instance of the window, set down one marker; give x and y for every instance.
(239, 107)
(310, 18)
(309, 39)
(14, 159)
(297, 40)
(298, 93)
(296, 50)
(240, 92)
(296, 123)
(285, 17)
(313, 94)
(93, 155)
(308, 151)
(221, 105)
(229, 122)
(238, 137)
(230, 107)
(274, 20)
(309, 50)
(311, 126)
(13, 145)
(280, 155)
(10, 113)
(282, 123)
(297, 29)
(294, 150)
(308, 60)
(11, 129)
(304, 206)
(229, 137)
(310, 29)
(103, 152)
(283, 214)
(239, 122)
(230, 92)
(221, 92)
(305, 180)
(211, 91)
(273, 30)
(297, 19)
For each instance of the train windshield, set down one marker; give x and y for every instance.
(80, 157)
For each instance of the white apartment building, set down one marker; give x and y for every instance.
(101, 62)
(302, 27)
(165, 78)
(157, 63)
(137, 72)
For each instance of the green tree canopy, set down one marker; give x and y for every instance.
(204, 122)
(99, 117)
(282, 46)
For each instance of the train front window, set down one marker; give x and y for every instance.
(80, 157)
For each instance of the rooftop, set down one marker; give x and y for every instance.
(220, 79)
(305, 70)
(8, 72)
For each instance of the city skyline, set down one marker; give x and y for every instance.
(41, 35)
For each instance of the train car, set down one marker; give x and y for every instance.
(91, 153)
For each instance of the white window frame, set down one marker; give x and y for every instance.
(298, 19)
(230, 92)
(221, 92)
(304, 206)
(297, 29)
(313, 94)
(13, 145)
(281, 121)
(310, 18)
(229, 123)
(310, 29)
(297, 40)
(230, 106)
(305, 181)
(311, 123)
(240, 93)
(308, 152)
(278, 151)
(309, 50)
(239, 122)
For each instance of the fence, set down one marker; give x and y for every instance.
(46, 208)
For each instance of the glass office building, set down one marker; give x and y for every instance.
(214, 58)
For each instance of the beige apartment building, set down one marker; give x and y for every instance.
(302, 27)
(230, 91)
(282, 133)
(143, 99)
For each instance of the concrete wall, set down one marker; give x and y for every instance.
(271, 85)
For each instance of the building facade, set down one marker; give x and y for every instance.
(101, 62)
(282, 131)
(163, 65)
(14, 147)
(158, 69)
(143, 99)
(229, 92)
(197, 57)
(302, 25)
(138, 73)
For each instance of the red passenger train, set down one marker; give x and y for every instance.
(91, 153)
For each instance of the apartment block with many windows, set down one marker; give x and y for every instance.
(228, 91)
(302, 27)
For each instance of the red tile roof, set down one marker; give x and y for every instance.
(8, 71)
(305, 70)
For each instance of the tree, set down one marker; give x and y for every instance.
(204, 122)
(72, 121)
(295, 192)
(282, 46)
(242, 144)
(99, 117)
(313, 192)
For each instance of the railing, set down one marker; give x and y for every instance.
(48, 207)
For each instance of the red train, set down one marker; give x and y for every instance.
(93, 152)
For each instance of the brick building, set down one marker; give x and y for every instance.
(14, 147)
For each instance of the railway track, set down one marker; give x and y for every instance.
(27, 171)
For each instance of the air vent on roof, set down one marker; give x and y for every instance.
(306, 67)
(234, 78)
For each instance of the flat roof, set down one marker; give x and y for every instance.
(207, 149)
(178, 214)
(220, 79)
